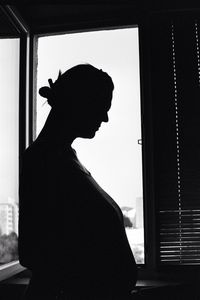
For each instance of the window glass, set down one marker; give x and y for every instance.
(9, 119)
(114, 156)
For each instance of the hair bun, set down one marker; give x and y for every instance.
(45, 92)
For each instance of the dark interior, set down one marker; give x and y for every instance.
(157, 279)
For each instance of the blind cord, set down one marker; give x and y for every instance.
(177, 138)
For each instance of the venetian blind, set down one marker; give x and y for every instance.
(175, 69)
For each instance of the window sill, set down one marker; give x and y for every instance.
(145, 289)
(14, 279)
(10, 269)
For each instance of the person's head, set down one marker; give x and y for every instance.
(81, 97)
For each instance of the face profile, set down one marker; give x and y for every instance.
(80, 99)
(92, 117)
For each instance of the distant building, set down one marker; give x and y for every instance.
(8, 217)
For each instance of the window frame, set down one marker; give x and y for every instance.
(23, 33)
(146, 126)
(144, 168)
(148, 149)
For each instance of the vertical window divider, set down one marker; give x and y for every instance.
(147, 137)
(32, 87)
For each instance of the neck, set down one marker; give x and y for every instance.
(54, 135)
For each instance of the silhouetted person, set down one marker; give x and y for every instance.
(71, 232)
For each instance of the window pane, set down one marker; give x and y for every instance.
(9, 119)
(114, 156)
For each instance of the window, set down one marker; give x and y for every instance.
(176, 94)
(114, 156)
(12, 115)
(9, 135)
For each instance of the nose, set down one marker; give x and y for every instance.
(105, 117)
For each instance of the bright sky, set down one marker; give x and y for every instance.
(9, 103)
(113, 156)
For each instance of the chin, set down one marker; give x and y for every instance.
(88, 135)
